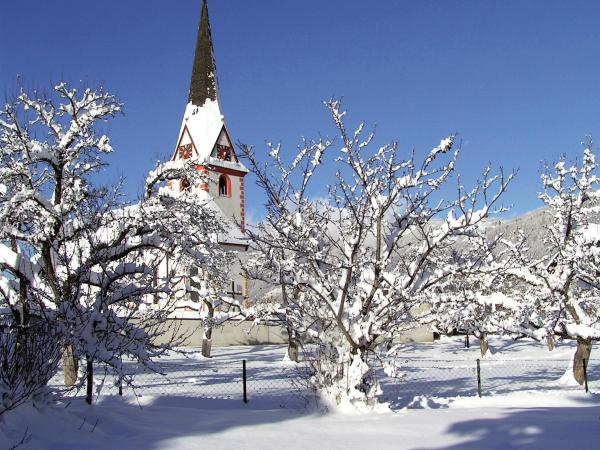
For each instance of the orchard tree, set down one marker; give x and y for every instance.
(468, 302)
(272, 302)
(558, 293)
(215, 301)
(482, 300)
(363, 262)
(73, 255)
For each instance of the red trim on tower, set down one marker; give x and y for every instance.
(227, 186)
(204, 183)
(227, 171)
(242, 205)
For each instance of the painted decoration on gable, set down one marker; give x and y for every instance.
(185, 151)
(223, 149)
(224, 152)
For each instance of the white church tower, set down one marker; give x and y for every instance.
(203, 137)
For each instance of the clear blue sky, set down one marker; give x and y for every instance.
(519, 80)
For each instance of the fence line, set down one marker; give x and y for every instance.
(237, 380)
(274, 383)
(420, 379)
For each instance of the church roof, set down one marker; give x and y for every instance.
(203, 85)
(202, 126)
(203, 123)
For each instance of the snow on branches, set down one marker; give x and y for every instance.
(558, 291)
(543, 294)
(362, 263)
(72, 254)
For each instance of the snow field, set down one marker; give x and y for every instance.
(431, 372)
(436, 406)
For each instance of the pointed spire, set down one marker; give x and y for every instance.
(204, 72)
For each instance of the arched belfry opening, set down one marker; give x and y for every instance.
(224, 186)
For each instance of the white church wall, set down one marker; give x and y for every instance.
(231, 204)
(235, 274)
(246, 333)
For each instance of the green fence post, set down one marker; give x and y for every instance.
(585, 361)
(244, 381)
(478, 378)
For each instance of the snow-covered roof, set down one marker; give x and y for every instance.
(203, 127)
(204, 124)
(233, 235)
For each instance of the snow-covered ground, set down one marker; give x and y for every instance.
(433, 372)
(523, 406)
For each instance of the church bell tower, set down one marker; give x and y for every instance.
(204, 138)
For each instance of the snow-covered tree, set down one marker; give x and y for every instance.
(363, 262)
(557, 294)
(469, 301)
(214, 300)
(72, 254)
(485, 299)
(273, 306)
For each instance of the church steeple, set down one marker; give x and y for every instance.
(203, 136)
(203, 85)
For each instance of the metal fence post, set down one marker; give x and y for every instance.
(121, 376)
(585, 363)
(467, 343)
(347, 375)
(244, 381)
(478, 378)
(90, 381)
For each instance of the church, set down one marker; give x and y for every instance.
(203, 137)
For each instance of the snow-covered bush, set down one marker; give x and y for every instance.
(364, 261)
(28, 359)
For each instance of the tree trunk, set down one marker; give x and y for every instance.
(483, 345)
(368, 385)
(584, 348)
(206, 345)
(292, 350)
(22, 318)
(550, 342)
(207, 341)
(207, 338)
(70, 366)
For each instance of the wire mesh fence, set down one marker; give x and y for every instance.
(420, 382)
(278, 384)
(265, 379)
